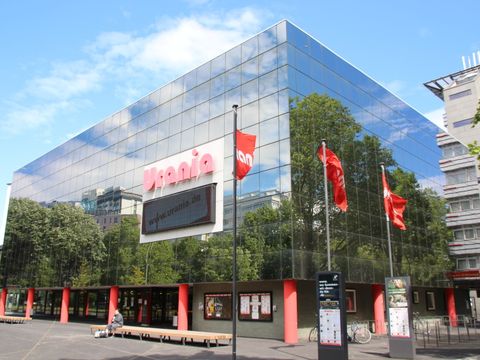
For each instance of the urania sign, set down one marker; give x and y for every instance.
(175, 179)
(155, 177)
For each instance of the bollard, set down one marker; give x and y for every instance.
(458, 332)
(437, 333)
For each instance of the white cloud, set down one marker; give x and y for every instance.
(436, 117)
(128, 65)
(435, 183)
(23, 118)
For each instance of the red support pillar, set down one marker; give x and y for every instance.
(183, 307)
(65, 305)
(140, 308)
(3, 301)
(30, 298)
(290, 325)
(113, 303)
(378, 309)
(450, 300)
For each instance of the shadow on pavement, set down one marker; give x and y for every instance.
(455, 353)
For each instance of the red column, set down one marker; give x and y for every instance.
(65, 305)
(378, 309)
(3, 301)
(450, 300)
(113, 303)
(30, 297)
(290, 325)
(140, 308)
(183, 307)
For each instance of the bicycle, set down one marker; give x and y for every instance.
(313, 335)
(358, 333)
(420, 325)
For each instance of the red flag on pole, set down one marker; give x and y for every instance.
(245, 148)
(394, 205)
(335, 175)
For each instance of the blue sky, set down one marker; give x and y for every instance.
(66, 65)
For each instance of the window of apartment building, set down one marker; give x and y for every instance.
(453, 150)
(460, 94)
(466, 263)
(461, 123)
(461, 176)
(466, 233)
(464, 204)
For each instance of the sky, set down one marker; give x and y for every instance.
(67, 65)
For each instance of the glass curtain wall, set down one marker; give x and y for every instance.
(274, 77)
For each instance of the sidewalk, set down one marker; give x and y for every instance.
(51, 340)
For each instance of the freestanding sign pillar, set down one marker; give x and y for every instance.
(331, 316)
(401, 338)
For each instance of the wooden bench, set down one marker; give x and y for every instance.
(14, 319)
(183, 335)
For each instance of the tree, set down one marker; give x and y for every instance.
(475, 147)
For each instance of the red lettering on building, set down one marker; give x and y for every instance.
(154, 178)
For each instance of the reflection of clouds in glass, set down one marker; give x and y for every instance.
(268, 156)
(268, 84)
(64, 178)
(268, 107)
(268, 132)
(267, 61)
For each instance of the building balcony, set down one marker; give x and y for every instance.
(460, 190)
(464, 247)
(457, 162)
(470, 217)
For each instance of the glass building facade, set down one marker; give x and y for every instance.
(273, 77)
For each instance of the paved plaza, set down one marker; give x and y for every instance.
(42, 339)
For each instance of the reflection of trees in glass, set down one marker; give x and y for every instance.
(62, 245)
(130, 263)
(359, 235)
(50, 246)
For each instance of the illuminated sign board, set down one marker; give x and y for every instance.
(184, 209)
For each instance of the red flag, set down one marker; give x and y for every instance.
(335, 175)
(245, 148)
(394, 205)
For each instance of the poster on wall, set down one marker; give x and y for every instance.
(218, 306)
(397, 299)
(255, 306)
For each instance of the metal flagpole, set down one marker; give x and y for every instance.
(382, 165)
(327, 221)
(234, 260)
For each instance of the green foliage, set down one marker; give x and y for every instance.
(54, 244)
(474, 147)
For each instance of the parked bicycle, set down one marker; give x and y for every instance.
(420, 325)
(313, 335)
(358, 333)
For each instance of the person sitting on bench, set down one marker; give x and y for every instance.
(117, 322)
